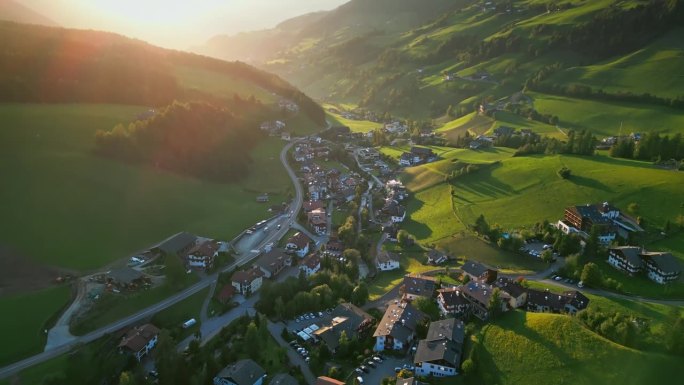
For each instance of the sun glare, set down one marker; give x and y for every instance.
(152, 12)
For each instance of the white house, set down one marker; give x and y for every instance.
(203, 255)
(139, 340)
(311, 264)
(299, 244)
(397, 328)
(247, 282)
(439, 354)
(386, 261)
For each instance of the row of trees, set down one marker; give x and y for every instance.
(651, 147)
(195, 138)
(578, 143)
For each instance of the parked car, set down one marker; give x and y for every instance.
(359, 379)
(397, 369)
(364, 368)
(580, 284)
(358, 371)
(377, 359)
(558, 278)
(371, 363)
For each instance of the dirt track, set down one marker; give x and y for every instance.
(20, 274)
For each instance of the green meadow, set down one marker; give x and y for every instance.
(25, 316)
(527, 348)
(73, 209)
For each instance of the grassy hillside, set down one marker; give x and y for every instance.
(73, 209)
(524, 348)
(22, 332)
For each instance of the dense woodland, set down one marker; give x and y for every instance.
(57, 65)
(196, 138)
(651, 147)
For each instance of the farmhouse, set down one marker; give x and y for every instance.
(406, 159)
(575, 301)
(298, 244)
(452, 302)
(345, 317)
(139, 341)
(479, 272)
(386, 261)
(311, 264)
(439, 354)
(273, 262)
(243, 372)
(422, 155)
(397, 328)
(248, 281)
(416, 285)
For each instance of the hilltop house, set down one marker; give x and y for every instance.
(311, 264)
(452, 302)
(139, 341)
(416, 285)
(298, 244)
(248, 281)
(479, 272)
(422, 155)
(273, 262)
(397, 328)
(546, 302)
(581, 219)
(243, 372)
(625, 258)
(386, 261)
(439, 354)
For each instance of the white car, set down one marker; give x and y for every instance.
(359, 379)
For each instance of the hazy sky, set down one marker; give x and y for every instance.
(175, 24)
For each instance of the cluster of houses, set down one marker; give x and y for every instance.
(310, 150)
(196, 252)
(604, 217)
(417, 155)
(288, 105)
(439, 354)
(660, 267)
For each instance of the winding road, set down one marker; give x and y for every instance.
(284, 221)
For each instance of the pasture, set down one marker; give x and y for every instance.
(25, 316)
(526, 348)
(73, 209)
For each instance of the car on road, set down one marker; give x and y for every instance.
(558, 278)
(307, 360)
(580, 284)
(279, 226)
(266, 228)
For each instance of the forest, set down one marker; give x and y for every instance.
(196, 138)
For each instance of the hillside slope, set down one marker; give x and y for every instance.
(466, 52)
(12, 11)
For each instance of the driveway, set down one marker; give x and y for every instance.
(295, 359)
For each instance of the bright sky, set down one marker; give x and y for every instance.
(173, 23)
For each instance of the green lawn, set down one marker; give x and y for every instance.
(384, 281)
(35, 375)
(528, 348)
(525, 190)
(182, 311)
(472, 248)
(606, 118)
(25, 318)
(76, 210)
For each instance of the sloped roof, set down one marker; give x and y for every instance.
(452, 296)
(299, 239)
(135, 339)
(665, 261)
(177, 243)
(243, 372)
(125, 275)
(445, 350)
(630, 253)
(283, 379)
(272, 260)
(450, 329)
(514, 289)
(386, 256)
(421, 285)
(475, 268)
(399, 321)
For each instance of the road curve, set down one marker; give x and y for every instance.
(151, 310)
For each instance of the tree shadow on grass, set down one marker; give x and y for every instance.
(590, 183)
(417, 229)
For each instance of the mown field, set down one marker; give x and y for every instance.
(25, 316)
(527, 348)
(76, 210)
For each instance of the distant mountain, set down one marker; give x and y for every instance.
(13, 11)
(415, 58)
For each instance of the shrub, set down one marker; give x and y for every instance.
(564, 172)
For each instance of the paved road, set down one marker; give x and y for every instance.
(151, 310)
(276, 329)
